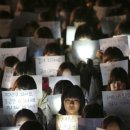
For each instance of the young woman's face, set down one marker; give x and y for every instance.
(72, 106)
(117, 85)
(113, 126)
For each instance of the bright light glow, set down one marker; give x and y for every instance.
(85, 49)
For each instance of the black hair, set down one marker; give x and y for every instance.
(72, 92)
(31, 125)
(53, 47)
(44, 32)
(10, 61)
(61, 86)
(67, 65)
(93, 110)
(24, 113)
(112, 53)
(25, 82)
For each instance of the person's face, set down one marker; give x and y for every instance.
(72, 106)
(66, 72)
(117, 85)
(113, 126)
(21, 120)
(50, 54)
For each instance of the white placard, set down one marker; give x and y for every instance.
(48, 65)
(108, 24)
(10, 128)
(20, 53)
(120, 42)
(70, 35)
(116, 102)
(89, 123)
(5, 27)
(66, 122)
(106, 68)
(38, 80)
(54, 102)
(53, 80)
(13, 101)
(100, 129)
(82, 50)
(8, 74)
(54, 26)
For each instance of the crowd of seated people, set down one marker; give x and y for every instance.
(80, 83)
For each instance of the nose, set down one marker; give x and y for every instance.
(117, 86)
(71, 102)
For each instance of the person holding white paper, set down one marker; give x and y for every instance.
(118, 80)
(24, 67)
(72, 103)
(24, 82)
(110, 54)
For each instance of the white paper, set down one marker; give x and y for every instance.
(54, 26)
(120, 42)
(13, 101)
(53, 80)
(48, 65)
(8, 74)
(99, 129)
(116, 102)
(20, 53)
(67, 122)
(70, 35)
(107, 67)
